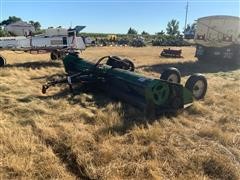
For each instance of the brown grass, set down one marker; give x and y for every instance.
(90, 136)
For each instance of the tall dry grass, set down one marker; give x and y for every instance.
(90, 136)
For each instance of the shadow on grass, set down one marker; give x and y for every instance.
(50, 77)
(63, 151)
(35, 64)
(63, 94)
(189, 68)
(129, 115)
(132, 117)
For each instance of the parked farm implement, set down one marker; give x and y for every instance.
(117, 78)
(57, 43)
(171, 53)
(55, 53)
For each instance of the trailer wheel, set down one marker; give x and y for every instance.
(131, 66)
(54, 55)
(171, 74)
(61, 54)
(113, 61)
(2, 61)
(197, 84)
(115, 58)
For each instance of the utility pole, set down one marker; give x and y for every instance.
(186, 16)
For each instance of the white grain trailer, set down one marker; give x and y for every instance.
(57, 44)
(41, 42)
(218, 38)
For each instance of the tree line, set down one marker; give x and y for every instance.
(172, 28)
(171, 37)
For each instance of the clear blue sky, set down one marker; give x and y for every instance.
(115, 16)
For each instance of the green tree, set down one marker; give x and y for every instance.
(36, 25)
(31, 22)
(188, 28)
(144, 33)
(131, 31)
(11, 19)
(3, 33)
(173, 28)
(160, 33)
(191, 28)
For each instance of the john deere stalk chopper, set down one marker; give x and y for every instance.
(117, 78)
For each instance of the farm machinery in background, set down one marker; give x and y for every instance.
(171, 53)
(114, 40)
(57, 41)
(218, 38)
(116, 77)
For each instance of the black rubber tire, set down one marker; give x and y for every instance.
(171, 71)
(2, 61)
(191, 85)
(111, 61)
(117, 62)
(61, 54)
(115, 57)
(54, 55)
(130, 63)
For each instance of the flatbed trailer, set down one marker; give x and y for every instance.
(55, 53)
(56, 45)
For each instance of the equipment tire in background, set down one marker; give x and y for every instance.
(115, 57)
(130, 64)
(61, 54)
(197, 84)
(171, 74)
(113, 61)
(2, 61)
(117, 62)
(54, 55)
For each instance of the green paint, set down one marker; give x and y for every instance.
(187, 96)
(152, 91)
(157, 92)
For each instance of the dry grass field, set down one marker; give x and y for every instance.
(90, 136)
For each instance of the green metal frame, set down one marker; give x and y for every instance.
(132, 87)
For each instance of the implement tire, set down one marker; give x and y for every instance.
(197, 84)
(171, 74)
(131, 66)
(54, 55)
(2, 61)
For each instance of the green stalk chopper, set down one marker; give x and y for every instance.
(117, 78)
